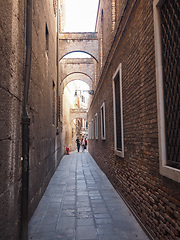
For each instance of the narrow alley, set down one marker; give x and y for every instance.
(101, 73)
(81, 204)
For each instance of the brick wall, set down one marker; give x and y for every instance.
(154, 199)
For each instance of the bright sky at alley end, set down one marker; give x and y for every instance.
(81, 15)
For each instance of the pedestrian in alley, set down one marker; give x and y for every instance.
(85, 143)
(82, 144)
(78, 143)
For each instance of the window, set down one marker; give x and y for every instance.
(47, 40)
(53, 107)
(118, 112)
(55, 6)
(103, 125)
(83, 99)
(89, 131)
(92, 127)
(101, 39)
(168, 92)
(113, 14)
(60, 110)
(96, 125)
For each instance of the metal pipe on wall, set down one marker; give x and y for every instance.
(25, 125)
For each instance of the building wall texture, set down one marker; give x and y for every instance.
(42, 87)
(154, 199)
(45, 146)
(11, 74)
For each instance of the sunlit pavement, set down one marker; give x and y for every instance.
(81, 204)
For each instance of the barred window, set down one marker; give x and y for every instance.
(118, 113)
(171, 70)
(167, 40)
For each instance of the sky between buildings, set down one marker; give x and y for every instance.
(81, 15)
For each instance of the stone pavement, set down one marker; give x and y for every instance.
(81, 204)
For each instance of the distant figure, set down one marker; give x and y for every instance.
(78, 143)
(85, 143)
(82, 144)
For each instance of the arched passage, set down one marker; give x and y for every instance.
(69, 66)
(77, 76)
(78, 113)
(78, 42)
(77, 54)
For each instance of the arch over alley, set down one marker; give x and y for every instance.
(78, 42)
(78, 113)
(77, 76)
(81, 66)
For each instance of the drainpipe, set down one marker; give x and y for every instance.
(57, 62)
(25, 126)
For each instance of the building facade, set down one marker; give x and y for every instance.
(43, 143)
(133, 134)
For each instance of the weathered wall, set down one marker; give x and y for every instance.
(68, 124)
(12, 44)
(105, 30)
(153, 198)
(43, 159)
(45, 152)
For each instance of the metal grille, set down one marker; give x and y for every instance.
(118, 112)
(170, 12)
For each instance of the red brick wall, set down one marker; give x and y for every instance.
(153, 198)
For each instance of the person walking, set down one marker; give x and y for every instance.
(85, 143)
(78, 143)
(82, 144)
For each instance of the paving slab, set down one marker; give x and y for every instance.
(81, 204)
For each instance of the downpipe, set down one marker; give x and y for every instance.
(25, 126)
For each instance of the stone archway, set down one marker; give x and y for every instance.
(69, 66)
(78, 113)
(77, 76)
(78, 42)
